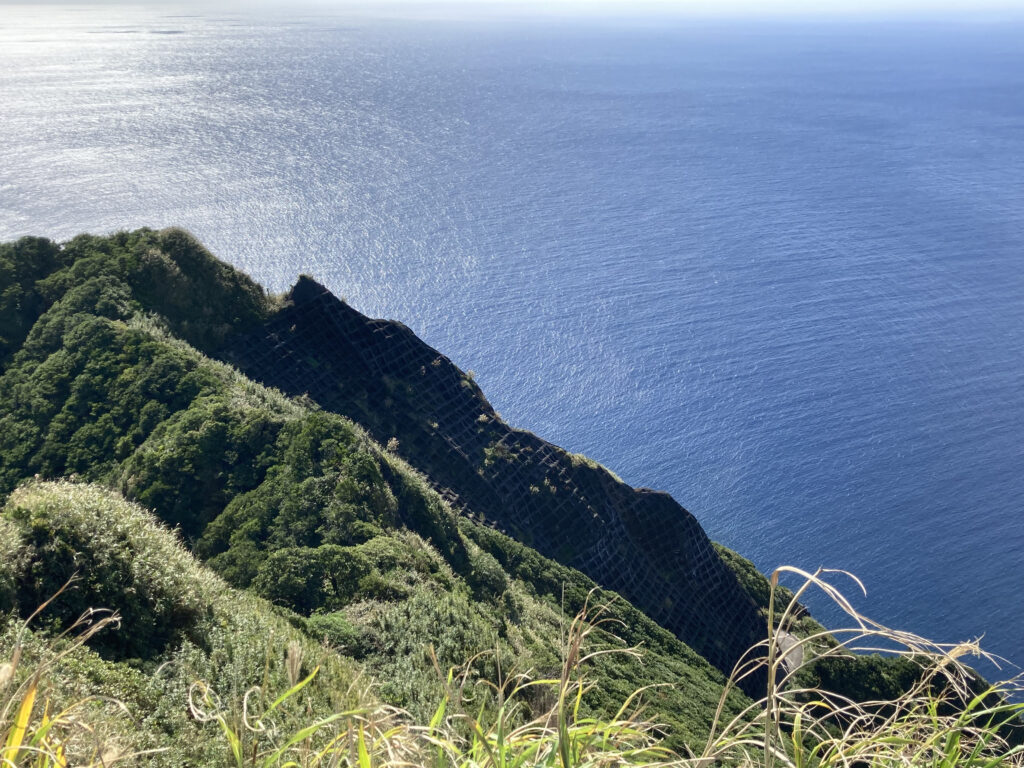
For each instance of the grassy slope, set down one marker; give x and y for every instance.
(183, 621)
(280, 498)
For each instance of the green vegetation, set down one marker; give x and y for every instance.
(758, 587)
(293, 504)
(176, 623)
(851, 677)
(286, 588)
(939, 721)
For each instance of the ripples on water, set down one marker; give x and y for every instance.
(775, 269)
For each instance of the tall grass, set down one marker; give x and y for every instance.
(948, 718)
(477, 723)
(35, 735)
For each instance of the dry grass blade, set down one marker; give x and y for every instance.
(944, 718)
(30, 737)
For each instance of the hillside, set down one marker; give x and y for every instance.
(104, 382)
(638, 542)
(271, 489)
(180, 624)
(308, 343)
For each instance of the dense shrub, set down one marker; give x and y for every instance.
(118, 559)
(237, 641)
(310, 578)
(22, 265)
(12, 553)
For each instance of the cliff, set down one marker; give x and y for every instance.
(640, 543)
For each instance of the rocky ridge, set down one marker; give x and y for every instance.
(638, 542)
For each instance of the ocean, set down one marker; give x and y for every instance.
(773, 267)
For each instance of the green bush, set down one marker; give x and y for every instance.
(311, 578)
(350, 639)
(118, 560)
(111, 707)
(486, 577)
(22, 265)
(12, 553)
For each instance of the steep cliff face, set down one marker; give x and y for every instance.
(638, 542)
(378, 373)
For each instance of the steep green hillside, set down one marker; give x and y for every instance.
(281, 498)
(638, 542)
(376, 523)
(409, 395)
(179, 624)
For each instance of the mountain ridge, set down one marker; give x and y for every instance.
(333, 474)
(639, 542)
(109, 375)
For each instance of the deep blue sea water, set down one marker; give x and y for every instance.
(774, 268)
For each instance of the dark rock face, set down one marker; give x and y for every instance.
(639, 543)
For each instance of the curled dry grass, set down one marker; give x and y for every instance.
(477, 723)
(948, 719)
